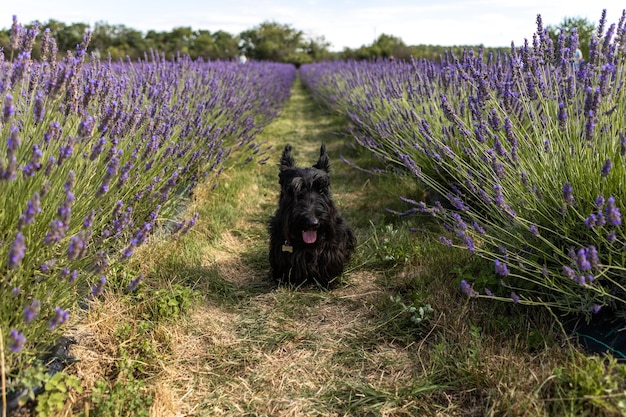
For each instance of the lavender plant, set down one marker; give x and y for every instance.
(526, 148)
(96, 155)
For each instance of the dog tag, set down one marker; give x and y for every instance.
(287, 247)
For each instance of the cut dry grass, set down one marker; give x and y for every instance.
(239, 345)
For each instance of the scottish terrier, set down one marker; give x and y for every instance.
(309, 240)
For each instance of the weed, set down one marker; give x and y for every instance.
(167, 303)
(593, 386)
(57, 390)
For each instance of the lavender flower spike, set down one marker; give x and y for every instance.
(567, 194)
(17, 341)
(501, 268)
(60, 317)
(32, 311)
(98, 287)
(606, 168)
(612, 212)
(582, 262)
(7, 109)
(515, 298)
(467, 289)
(16, 252)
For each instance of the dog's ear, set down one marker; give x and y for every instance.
(286, 161)
(323, 162)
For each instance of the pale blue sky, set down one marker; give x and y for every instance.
(344, 23)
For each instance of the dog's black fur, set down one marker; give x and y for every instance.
(309, 240)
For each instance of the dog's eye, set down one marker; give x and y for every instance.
(321, 186)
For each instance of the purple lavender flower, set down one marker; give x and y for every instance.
(498, 196)
(88, 222)
(33, 207)
(567, 194)
(17, 251)
(467, 289)
(134, 283)
(591, 221)
(592, 256)
(613, 213)
(112, 168)
(533, 230)
(97, 149)
(64, 212)
(31, 311)
(69, 183)
(611, 237)
(128, 252)
(582, 263)
(7, 108)
(48, 265)
(50, 166)
(501, 268)
(85, 126)
(595, 308)
(569, 272)
(445, 241)
(38, 110)
(192, 222)
(53, 133)
(515, 298)
(562, 116)
(55, 232)
(478, 228)
(488, 292)
(98, 287)
(524, 177)
(17, 341)
(606, 168)
(60, 317)
(77, 248)
(66, 151)
(70, 276)
(599, 202)
(35, 162)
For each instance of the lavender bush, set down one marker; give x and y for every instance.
(527, 149)
(98, 154)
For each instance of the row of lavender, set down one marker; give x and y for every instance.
(96, 156)
(528, 150)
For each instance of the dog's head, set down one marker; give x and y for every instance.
(305, 198)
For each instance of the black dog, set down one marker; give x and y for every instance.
(309, 240)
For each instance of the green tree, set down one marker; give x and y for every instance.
(118, 41)
(387, 46)
(584, 28)
(203, 45)
(226, 45)
(271, 41)
(317, 48)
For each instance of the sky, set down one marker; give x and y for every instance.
(343, 23)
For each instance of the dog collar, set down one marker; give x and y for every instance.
(287, 247)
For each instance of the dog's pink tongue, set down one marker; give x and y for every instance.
(309, 236)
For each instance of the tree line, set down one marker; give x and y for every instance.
(268, 41)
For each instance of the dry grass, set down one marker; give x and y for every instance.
(247, 347)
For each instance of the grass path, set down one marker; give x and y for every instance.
(246, 347)
(249, 347)
(277, 351)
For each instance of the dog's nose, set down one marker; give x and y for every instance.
(312, 222)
